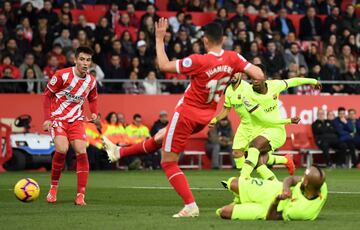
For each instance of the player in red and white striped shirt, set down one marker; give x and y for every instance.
(64, 98)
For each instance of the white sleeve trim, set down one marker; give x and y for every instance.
(178, 66)
(50, 89)
(247, 66)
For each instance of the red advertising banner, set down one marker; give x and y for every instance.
(149, 106)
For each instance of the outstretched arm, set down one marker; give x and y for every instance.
(297, 81)
(255, 73)
(164, 64)
(223, 113)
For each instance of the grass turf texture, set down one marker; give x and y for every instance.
(113, 204)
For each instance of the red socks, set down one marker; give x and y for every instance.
(178, 180)
(145, 147)
(58, 163)
(82, 170)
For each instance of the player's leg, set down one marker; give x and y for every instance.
(246, 211)
(240, 146)
(177, 133)
(286, 160)
(148, 146)
(58, 161)
(76, 133)
(264, 172)
(257, 145)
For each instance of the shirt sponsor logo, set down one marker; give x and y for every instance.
(271, 108)
(187, 62)
(74, 98)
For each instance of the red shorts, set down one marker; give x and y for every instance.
(73, 131)
(186, 121)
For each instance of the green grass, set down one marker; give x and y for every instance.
(113, 204)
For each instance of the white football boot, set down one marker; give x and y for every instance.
(112, 150)
(187, 212)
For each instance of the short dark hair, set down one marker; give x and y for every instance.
(84, 49)
(136, 115)
(352, 110)
(214, 32)
(341, 109)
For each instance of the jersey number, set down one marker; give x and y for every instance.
(216, 88)
(257, 181)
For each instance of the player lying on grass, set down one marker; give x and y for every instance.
(296, 198)
(246, 130)
(261, 101)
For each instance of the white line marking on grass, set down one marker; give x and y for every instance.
(206, 189)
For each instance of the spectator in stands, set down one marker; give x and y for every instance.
(52, 67)
(355, 122)
(176, 21)
(114, 130)
(283, 23)
(22, 44)
(83, 39)
(13, 51)
(345, 130)
(332, 19)
(121, 119)
(7, 62)
(273, 60)
(350, 20)
(345, 58)
(124, 25)
(195, 6)
(133, 86)
(137, 132)
(153, 160)
(65, 22)
(330, 72)
(57, 51)
(254, 6)
(48, 13)
(114, 71)
(190, 28)
(10, 14)
(27, 30)
(66, 10)
(240, 16)
(219, 140)
(145, 57)
(64, 40)
(294, 56)
(211, 6)
(28, 10)
(127, 44)
(151, 84)
(312, 56)
(103, 34)
(352, 75)
(29, 62)
(8, 87)
(176, 5)
(134, 21)
(326, 137)
(29, 87)
(142, 4)
(290, 39)
(253, 52)
(185, 43)
(222, 18)
(83, 25)
(150, 12)
(310, 26)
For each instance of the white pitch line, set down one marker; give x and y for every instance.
(206, 189)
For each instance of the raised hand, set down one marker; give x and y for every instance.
(160, 28)
(295, 120)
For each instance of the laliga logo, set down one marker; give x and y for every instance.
(307, 116)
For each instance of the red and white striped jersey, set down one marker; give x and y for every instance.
(70, 92)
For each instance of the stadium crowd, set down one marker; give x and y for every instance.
(39, 37)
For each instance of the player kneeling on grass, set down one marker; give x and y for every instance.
(297, 198)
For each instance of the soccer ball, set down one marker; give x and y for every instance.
(27, 190)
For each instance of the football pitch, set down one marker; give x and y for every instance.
(144, 200)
